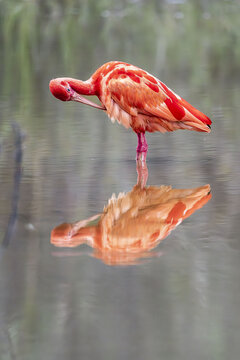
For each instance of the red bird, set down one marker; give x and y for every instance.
(135, 99)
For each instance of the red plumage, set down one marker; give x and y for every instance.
(135, 99)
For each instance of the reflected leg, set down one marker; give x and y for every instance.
(142, 172)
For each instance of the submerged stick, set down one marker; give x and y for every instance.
(16, 185)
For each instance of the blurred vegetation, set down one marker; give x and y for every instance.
(194, 46)
(197, 39)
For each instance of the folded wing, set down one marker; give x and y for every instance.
(153, 103)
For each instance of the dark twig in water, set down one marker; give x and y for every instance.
(8, 341)
(16, 186)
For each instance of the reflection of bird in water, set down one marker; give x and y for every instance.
(132, 223)
(135, 99)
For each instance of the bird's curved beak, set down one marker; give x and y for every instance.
(79, 98)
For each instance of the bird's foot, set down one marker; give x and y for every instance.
(142, 152)
(142, 147)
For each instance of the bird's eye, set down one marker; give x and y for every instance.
(68, 90)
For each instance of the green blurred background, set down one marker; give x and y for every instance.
(192, 44)
(195, 40)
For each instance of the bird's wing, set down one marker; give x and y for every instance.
(147, 96)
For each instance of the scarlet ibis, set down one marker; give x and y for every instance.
(135, 99)
(132, 224)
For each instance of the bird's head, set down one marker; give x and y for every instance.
(61, 89)
(67, 89)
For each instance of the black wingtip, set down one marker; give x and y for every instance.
(209, 126)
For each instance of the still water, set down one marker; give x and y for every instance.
(62, 162)
(64, 303)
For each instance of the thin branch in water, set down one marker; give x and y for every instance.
(16, 185)
(8, 342)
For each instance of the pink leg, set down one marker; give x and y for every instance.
(142, 147)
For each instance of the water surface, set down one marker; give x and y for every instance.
(64, 303)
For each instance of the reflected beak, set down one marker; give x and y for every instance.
(79, 98)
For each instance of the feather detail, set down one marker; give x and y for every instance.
(136, 98)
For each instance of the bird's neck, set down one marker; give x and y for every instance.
(81, 87)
